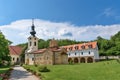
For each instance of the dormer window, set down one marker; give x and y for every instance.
(90, 46)
(35, 38)
(76, 47)
(65, 49)
(70, 48)
(83, 47)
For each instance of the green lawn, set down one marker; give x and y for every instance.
(105, 70)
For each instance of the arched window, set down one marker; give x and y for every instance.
(32, 59)
(81, 53)
(89, 52)
(17, 59)
(13, 58)
(75, 53)
(34, 43)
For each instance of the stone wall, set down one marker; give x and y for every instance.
(109, 57)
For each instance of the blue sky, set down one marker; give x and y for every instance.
(87, 16)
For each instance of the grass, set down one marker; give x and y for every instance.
(3, 70)
(105, 70)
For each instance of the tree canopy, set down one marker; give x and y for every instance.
(109, 47)
(4, 50)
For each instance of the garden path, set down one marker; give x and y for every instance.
(19, 73)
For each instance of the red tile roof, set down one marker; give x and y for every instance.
(15, 50)
(39, 51)
(73, 47)
(81, 46)
(43, 50)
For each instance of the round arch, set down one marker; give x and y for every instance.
(89, 60)
(82, 60)
(75, 60)
(69, 59)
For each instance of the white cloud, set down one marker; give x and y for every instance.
(109, 12)
(18, 31)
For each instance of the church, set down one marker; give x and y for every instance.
(76, 53)
(47, 56)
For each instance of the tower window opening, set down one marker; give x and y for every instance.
(34, 43)
(32, 59)
(30, 43)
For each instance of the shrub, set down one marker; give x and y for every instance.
(71, 62)
(21, 64)
(28, 69)
(36, 65)
(44, 69)
(34, 72)
(118, 60)
(11, 69)
(0, 78)
(38, 74)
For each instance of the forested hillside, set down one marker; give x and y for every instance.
(109, 47)
(106, 47)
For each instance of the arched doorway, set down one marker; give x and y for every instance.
(82, 60)
(75, 60)
(64, 59)
(69, 59)
(89, 60)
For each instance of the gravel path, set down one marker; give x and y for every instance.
(19, 73)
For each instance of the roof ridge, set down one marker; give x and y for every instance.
(13, 49)
(81, 43)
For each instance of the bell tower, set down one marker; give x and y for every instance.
(53, 44)
(32, 40)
